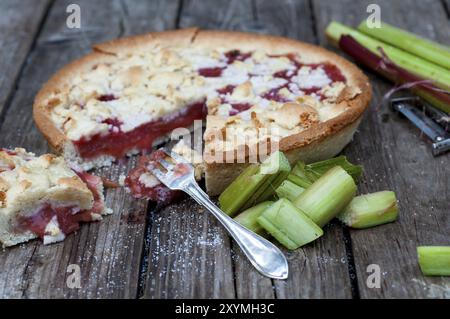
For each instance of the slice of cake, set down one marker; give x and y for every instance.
(43, 197)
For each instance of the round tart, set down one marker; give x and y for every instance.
(253, 90)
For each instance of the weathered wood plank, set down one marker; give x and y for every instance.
(292, 19)
(109, 252)
(190, 254)
(19, 23)
(396, 157)
(446, 4)
(318, 270)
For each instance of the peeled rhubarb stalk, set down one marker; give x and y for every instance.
(248, 218)
(304, 175)
(252, 184)
(434, 260)
(289, 225)
(320, 168)
(307, 177)
(328, 196)
(405, 60)
(279, 168)
(424, 48)
(289, 190)
(370, 210)
(303, 182)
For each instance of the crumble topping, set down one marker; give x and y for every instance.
(41, 196)
(142, 87)
(32, 178)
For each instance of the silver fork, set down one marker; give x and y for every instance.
(264, 256)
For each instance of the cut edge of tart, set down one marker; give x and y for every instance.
(313, 132)
(43, 197)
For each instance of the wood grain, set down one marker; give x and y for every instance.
(189, 255)
(292, 19)
(181, 251)
(396, 157)
(19, 24)
(319, 270)
(109, 252)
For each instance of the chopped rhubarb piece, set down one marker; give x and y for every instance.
(118, 143)
(210, 72)
(333, 72)
(274, 94)
(106, 97)
(236, 55)
(227, 89)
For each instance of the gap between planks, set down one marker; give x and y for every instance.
(12, 92)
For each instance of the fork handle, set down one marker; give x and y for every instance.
(263, 255)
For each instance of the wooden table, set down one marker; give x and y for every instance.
(180, 251)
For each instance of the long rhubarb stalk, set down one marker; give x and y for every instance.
(412, 63)
(370, 210)
(424, 48)
(434, 260)
(327, 196)
(391, 71)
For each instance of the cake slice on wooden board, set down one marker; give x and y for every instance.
(41, 196)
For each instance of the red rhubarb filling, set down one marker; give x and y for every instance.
(117, 143)
(332, 72)
(210, 72)
(159, 193)
(230, 57)
(68, 217)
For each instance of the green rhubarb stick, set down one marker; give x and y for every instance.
(424, 48)
(434, 260)
(241, 189)
(370, 210)
(410, 62)
(289, 190)
(278, 166)
(251, 184)
(289, 225)
(298, 175)
(302, 182)
(248, 218)
(322, 167)
(327, 196)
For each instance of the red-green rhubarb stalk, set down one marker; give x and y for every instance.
(387, 68)
(421, 47)
(405, 60)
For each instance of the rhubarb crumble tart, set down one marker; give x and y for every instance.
(43, 197)
(129, 94)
